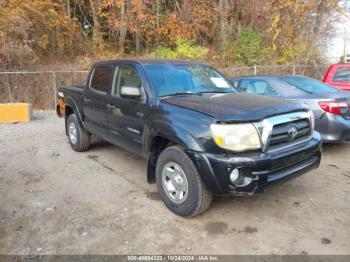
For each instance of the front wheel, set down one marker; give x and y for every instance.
(179, 184)
(79, 138)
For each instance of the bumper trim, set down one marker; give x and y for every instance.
(291, 172)
(265, 169)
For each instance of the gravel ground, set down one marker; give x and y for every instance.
(56, 201)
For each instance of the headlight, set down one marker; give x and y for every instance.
(236, 137)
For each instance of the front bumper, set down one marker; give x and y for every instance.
(265, 169)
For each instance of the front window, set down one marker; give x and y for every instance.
(309, 85)
(126, 76)
(186, 79)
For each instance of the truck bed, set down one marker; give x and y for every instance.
(73, 93)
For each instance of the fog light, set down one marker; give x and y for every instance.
(240, 177)
(234, 175)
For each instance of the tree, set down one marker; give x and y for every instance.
(280, 31)
(298, 23)
(34, 29)
(248, 48)
(97, 38)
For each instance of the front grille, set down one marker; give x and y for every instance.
(289, 133)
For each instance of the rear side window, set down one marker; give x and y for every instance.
(101, 78)
(258, 87)
(309, 85)
(342, 74)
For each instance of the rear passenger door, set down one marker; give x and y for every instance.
(126, 116)
(95, 97)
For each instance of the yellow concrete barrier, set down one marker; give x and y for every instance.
(15, 112)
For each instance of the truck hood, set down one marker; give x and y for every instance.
(235, 107)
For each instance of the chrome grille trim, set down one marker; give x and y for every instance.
(265, 129)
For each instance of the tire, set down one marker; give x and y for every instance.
(82, 137)
(197, 199)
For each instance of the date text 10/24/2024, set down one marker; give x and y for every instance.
(172, 258)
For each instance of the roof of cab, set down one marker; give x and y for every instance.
(340, 65)
(151, 61)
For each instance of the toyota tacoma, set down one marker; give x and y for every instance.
(199, 136)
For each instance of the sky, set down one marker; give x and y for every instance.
(335, 45)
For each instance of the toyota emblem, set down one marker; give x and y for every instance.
(292, 132)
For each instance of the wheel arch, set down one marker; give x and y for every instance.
(72, 108)
(163, 137)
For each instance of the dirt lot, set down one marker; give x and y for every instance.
(56, 201)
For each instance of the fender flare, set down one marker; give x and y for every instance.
(173, 133)
(69, 102)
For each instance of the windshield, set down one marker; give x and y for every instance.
(186, 79)
(309, 85)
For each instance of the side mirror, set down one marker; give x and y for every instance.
(130, 92)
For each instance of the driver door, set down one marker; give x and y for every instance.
(125, 115)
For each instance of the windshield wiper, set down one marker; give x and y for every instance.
(215, 92)
(183, 94)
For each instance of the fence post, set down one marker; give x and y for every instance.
(294, 70)
(54, 87)
(9, 89)
(255, 72)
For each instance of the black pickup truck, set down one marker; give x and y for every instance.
(199, 136)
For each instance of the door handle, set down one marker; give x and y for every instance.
(87, 100)
(110, 106)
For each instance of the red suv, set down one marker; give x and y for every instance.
(338, 75)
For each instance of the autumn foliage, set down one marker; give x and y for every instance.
(239, 31)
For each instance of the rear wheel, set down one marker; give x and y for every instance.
(179, 184)
(79, 138)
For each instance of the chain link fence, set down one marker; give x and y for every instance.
(316, 72)
(40, 87)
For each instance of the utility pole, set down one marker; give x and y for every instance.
(346, 7)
